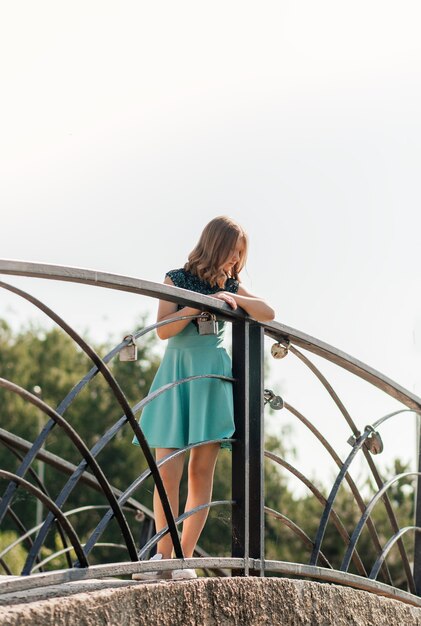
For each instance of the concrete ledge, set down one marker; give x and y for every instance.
(211, 602)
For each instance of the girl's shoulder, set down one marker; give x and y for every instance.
(186, 280)
(179, 277)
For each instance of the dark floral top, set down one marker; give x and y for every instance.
(186, 280)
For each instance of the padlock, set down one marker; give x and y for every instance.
(373, 443)
(129, 352)
(278, 351)
(207, 324)
(275, 402)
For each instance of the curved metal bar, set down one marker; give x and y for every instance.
(119, 283)
(122, 400)
(103, 523)
(296, 530)
(340, 578)
(183, 296)
(36, 581)
(67, 468)
(393, 522)
(73, 538)
(349, 480)
(68, 549)
(178, 521)
(389, 509)
(380, 421)
(87, 478)
(23, 537)
(388, 506)
(10, 511)
(386, 501)
(370, 506)
(326, 513)
(91, 507)
(377, 565)
(326, 384)
(64, 405)
(21, 527)
(6, 567)
(99, 446)
(80, 445)
(32, 472)
(280, 332)
(321, 498)
(45, 490)
(27, 533)
(15, 584)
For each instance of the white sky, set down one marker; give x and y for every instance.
(126, 126)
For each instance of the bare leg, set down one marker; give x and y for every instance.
(200, 481)
(171, 473)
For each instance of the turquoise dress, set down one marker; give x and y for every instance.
(200, 410)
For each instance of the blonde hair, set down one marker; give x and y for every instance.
(216, 243)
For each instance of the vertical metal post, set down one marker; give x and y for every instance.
(240, 482)
(256, 438)
(417, 545)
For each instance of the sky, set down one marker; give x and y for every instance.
(126, 126)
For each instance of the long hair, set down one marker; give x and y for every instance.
(216, 243)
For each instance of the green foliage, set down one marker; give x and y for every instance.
(11, 560)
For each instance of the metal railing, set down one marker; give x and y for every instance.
(247, 505)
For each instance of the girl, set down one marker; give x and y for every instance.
(200, 410)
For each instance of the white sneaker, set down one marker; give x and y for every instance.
(180, 574)
(157, 575)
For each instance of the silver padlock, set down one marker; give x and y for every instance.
(275, 402)
(129, 352)
(207, 324)
(278, 351)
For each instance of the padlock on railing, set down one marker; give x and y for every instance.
(207, 324)
(279, 351)
(373, 443)
(275, 402)
(129, 352)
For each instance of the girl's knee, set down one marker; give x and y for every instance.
(200, 471)
(170, 477)
(202, 463)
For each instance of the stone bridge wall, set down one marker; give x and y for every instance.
(206, 602)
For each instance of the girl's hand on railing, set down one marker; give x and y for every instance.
(226, 297)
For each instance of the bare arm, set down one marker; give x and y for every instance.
(167, 310)
(256, 307)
